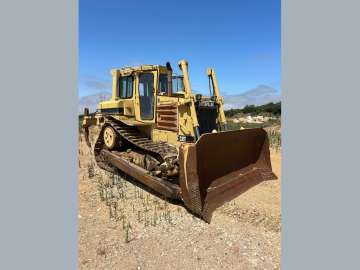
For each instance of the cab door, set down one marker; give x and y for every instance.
(147, 96)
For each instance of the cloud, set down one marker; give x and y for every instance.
(259, 95)
(94, 84)
(91, 101)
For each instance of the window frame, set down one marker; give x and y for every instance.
(178, 79)
(153, 95)
(126, 90)
(167, 92)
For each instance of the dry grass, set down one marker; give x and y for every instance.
(122, 226)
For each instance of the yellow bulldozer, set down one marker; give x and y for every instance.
(155, 130)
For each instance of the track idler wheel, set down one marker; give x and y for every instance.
(110, 138)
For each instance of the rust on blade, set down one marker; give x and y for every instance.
(189, 179)
(221, 166)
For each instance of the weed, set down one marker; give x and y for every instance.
(127, 233)
(274, 139)
(101, 251)
(91, 170)
(124, 223)
(146, 219)
(113, 206)
(155, 217)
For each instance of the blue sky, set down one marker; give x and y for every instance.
(239, 39)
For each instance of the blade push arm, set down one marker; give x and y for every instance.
(183, 65)
(218, 99)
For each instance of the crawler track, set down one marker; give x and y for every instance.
(159, 150)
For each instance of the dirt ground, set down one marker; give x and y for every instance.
(146, 232)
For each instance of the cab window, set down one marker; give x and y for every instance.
(164, 85)
(178, 84)
(126, 87)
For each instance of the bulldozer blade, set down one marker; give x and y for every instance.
(221, 166)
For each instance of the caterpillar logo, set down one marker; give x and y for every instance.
(183, 138)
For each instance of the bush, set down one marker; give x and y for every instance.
(269, 108)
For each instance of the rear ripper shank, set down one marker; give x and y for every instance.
(157, 131)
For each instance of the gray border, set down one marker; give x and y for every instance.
(321, 182)
(39, 101)
(320, 63)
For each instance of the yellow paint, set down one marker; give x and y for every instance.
(187, 119)
(165, 136)
(218, 99)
